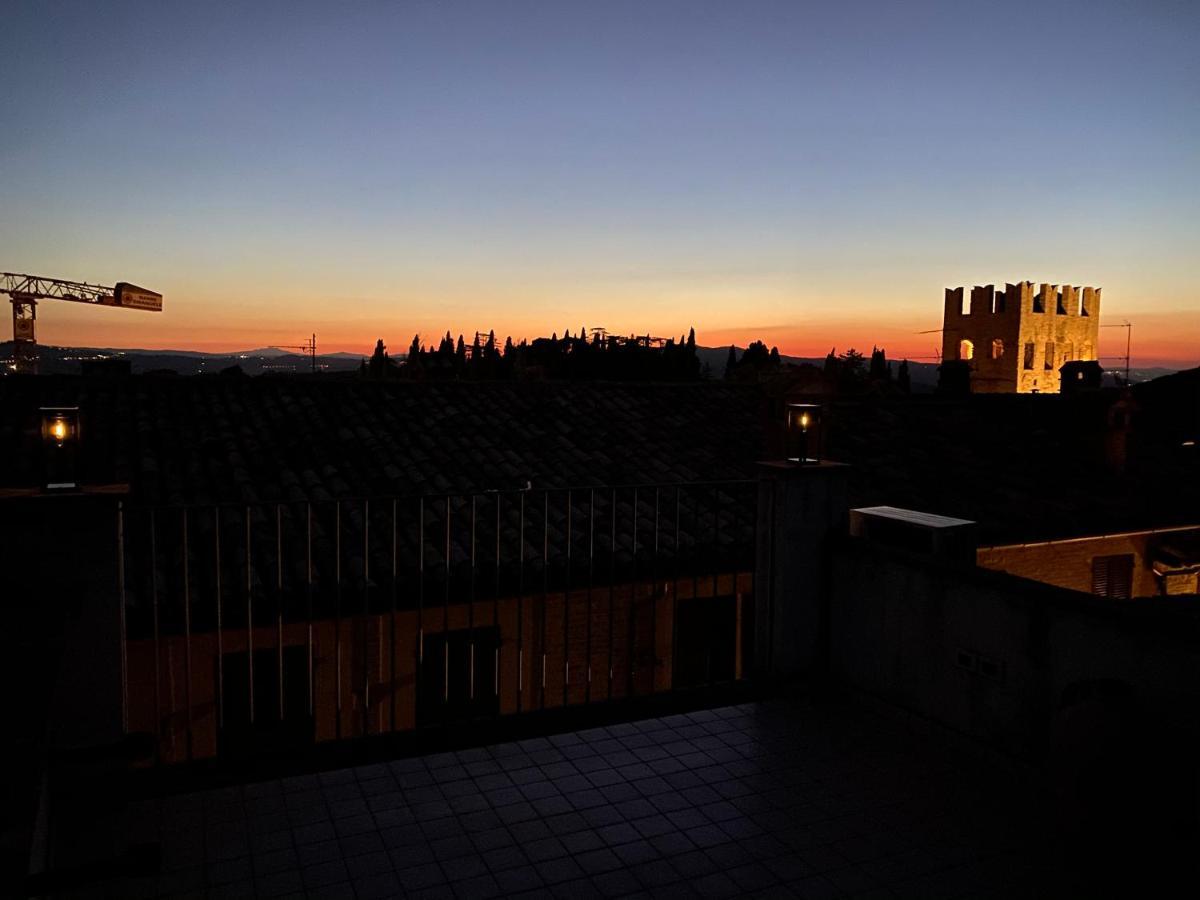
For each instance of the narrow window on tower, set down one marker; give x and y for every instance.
(1048, 362)
(966, 350)
(997, 349)
(1029, 355)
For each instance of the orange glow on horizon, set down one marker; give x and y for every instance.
(1159, 338)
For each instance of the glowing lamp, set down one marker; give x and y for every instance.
(804, 432)
(60, 437)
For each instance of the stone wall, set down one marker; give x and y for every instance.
(1068, 563)
(1017, 339)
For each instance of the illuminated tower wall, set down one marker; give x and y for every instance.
(1017, 339)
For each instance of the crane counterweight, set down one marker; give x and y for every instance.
(24, 292)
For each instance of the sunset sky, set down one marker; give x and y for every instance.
(812, 174)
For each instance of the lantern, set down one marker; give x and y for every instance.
(804, 433)
(60, 440)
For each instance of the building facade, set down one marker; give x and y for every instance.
(1149, 563)
(1016, 340)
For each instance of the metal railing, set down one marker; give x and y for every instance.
(250, 628)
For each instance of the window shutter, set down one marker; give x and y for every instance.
(1112, 576)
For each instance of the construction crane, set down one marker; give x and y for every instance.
(24, 292)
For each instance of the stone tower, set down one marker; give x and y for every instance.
(1017, 339)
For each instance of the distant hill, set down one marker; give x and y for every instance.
(260, 361)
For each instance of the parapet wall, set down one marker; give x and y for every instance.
(1021, 298)
(998, 657)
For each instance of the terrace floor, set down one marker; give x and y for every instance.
(781, 798)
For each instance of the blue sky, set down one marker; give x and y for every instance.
(808, 173)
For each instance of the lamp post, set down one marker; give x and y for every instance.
(804, 433)
(60, 441)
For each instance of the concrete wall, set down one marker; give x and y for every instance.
(800, 509)
(1001, 658)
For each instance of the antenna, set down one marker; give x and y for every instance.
(308, 348)
(1128, 326)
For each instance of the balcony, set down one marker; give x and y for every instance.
(707, 689)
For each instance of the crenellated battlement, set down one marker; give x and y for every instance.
(1017, 339)
(1022, 298)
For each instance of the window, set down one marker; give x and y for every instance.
(1048, 362)
(966, 350)
(1068, 352)
(1029, 355)
(1039, 304)
(1112, 576)
(997, 349)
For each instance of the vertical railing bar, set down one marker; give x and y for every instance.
(521, 607)
(420, 649)
(124, 617)
(675, 589)
(567, 611)
(446, 620)
(249, 618)
(220, 625)
(545, 591)
(753, 590)
(471, 616)
(337, 615)
(496, 606)
(279, 604)
(633, 590)
(770, 598)
(158, 723)
(308, 587)
(654, 600)
(366, 659)
(590, 585)
(612, 578)
(699, 608)
(187, 636)
(716, 575)
(392, 642)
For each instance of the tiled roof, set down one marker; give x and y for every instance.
(198, 440)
